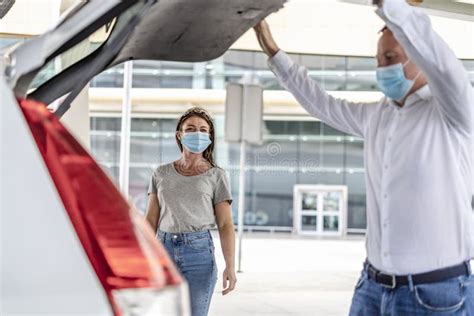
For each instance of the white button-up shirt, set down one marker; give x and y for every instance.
(418, 158)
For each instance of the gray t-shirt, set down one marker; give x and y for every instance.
(187, 202)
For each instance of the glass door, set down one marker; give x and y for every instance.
(320, 210)
(309, 211)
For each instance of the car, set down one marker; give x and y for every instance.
(70, 242)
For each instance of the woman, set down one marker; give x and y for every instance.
(188, 197)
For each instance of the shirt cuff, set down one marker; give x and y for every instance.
(280, 63)
(394, 11)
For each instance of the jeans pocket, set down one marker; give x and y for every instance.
(446, 296)
(201, 244)
(360, 282)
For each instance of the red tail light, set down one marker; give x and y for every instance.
(131, 265)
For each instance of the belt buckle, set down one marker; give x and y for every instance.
(394, 283)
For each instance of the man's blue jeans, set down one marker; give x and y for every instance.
(450, 297)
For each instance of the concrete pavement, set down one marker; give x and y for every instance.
(288, 275)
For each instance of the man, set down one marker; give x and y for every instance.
(418, 166)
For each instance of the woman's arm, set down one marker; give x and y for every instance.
(153, 211)
(227, 237)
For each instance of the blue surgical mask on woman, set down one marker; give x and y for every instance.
(196, 142)
(392, 81)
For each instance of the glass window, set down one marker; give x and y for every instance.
(144, 148)
(309, 222)
(328, 71)
(294, 152)
(272, 174)
(147, 74)
(145, 125)
(238, 64)
(250, 66)
(106, 147)
(312, 62)
(105, 141)
(354, 152)
(330, 223)
(105, 124)
(285, 128)
(331, 72)
(139, 181)
(310, 128)
(334, 68)
(356, 217)
(162, 74)
(361, 74)
(110, 78)
(331, 150)
(469, 65)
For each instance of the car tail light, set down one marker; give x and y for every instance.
(132, 266)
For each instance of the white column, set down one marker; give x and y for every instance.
(241, 210)
(124, 170)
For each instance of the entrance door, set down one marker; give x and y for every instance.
(320, 210)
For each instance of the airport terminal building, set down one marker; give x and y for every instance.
(297, 149)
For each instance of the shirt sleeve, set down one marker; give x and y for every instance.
(448, 80)
(345, 116)
(152, 186)
(222, 190)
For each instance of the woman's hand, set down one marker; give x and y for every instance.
(265, 38)
(229, 280)
(227, 236)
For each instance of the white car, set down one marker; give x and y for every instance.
(71, 244)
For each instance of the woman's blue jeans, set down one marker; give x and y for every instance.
(193, 254)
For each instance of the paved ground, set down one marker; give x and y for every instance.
(286, 275)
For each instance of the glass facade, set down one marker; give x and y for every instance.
(295, 150)
(333, 73)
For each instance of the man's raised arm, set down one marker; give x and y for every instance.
(346, 116)
(447, 78)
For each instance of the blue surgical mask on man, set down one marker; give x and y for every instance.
(392, 81)
(196, 142)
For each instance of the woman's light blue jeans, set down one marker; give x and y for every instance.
(454, 296)
(193, 254)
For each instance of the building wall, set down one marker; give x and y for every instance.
(297, 149)
(294, 152)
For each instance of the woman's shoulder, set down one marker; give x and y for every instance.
(219, 171)
(163, 169)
